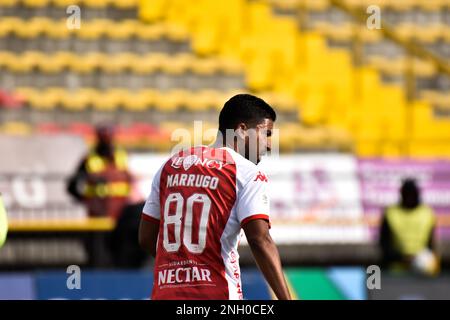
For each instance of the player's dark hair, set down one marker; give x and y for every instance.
(244, 108)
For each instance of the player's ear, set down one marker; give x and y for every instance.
(241, 131)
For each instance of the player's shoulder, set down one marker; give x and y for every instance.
(245, 169)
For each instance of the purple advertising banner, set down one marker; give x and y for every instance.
(381, 179)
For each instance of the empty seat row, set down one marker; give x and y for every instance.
(113, 99)
(399, 66)
(91, 29)
(139, 64)
(123, 4)
(346, 31)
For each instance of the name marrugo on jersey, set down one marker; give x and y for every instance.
(192, 180)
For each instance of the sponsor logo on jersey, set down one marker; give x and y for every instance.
(194, 160)
(180, 276)
(261, 177)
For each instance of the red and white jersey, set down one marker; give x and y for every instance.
(201, 198)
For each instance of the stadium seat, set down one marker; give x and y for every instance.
(177, 64)
(48, 128)
(205, 66)
(16, 128)
(99, 4)
(93, 29)
(148, 63)
(202, 100)
(125, 4)
(78, 100)
(56, 62)
(123, 30)
(35, 3)
(9, 3)
(170, 101)
(65, 3)
(116, 63)
(109, 100)
(56, 30)
(138, 101)
(151, 11)
(6, 59)
(88, 63)
(150, 31)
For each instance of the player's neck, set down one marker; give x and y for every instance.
(220, 143)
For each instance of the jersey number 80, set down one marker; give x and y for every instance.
(176, 220)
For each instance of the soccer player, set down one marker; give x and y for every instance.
(199, 201)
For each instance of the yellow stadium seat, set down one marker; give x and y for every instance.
(150, 31)
(79, 100)
(201, 100)
(41, 99)
(147, 63)
(9, 25)
(110, 100)
(96, 3)
(369, 36)
(32, 28)
(7, 58)
(117, 63)
(8, 3)
(428, 33)
(170, 101)
(138, 101)
(205, 66)
(152, 11)
(35, 3)
(177, 64)
(126, 4)
(25, 93)
(317, 5)
(93, 29)
(432, 5)
(16, 128)
(56, 29)
(65, 3)
(87, 63)
(176, 33)
(230, 66)
(56, 62)
(26, 62)
(123, 30)
(406, 30)
(367, 148)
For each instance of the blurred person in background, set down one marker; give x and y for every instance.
(102, 183)
(3, 222)
(102, 180)
(123, 243)
(407, 234)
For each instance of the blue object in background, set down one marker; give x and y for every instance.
(254, 285)
(17, 286)
(350, 281)
(110, 285)
(113, 285)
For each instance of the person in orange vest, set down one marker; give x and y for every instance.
(102, 181)
(407, 234)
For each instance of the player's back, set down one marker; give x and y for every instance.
(197, 193)
(196, 199)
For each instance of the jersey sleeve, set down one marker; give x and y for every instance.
(151, 211)
(253, 200)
